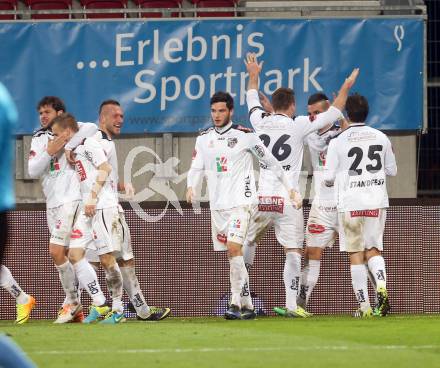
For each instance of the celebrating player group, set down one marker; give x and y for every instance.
(78, 167)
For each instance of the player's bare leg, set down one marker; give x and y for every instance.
(359, 279)
(376, 265)
(309, 274)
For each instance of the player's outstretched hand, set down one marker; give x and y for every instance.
(296, 198)
(189, 195)
(349, 82)
(252, 65)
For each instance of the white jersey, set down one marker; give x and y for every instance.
(318, 145)
(58, 177)
(284, 138)
(225, 157)
(359, 160)
(92, 153)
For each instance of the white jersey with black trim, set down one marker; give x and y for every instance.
(58, 177)
(318, 145)
(284, 137)
(359, 159)
(224, 156)
(90, 155)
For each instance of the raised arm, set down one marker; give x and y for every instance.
(86, 130)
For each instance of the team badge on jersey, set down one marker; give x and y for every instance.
(54, 165)
(232, 142)
(222, 164)
(321, 158)
(236, 224)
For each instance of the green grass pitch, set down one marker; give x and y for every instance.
(395, 341)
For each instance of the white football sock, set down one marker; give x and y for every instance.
(67, 278)
(373, 282)
(113, 277)
(8, 283)
(248, 257)
(376, 265)
(238, 276)
(131, 286)
(359, 280)
(291, 275)
(309, 279)
(87, 277)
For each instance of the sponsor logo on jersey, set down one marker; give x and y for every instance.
(236, 224)
(54, 165)
(259, 150)
(321, 158)
(365, 213)
(232, 142)
(80, 170)
(366, 183)
(315, 229)
(247, 187)
(222, 164)
(88, 155)
(76, 234)
(222, 238)
(271, 204)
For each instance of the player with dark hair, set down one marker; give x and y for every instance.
(224, 154)
(359, 160)
(284, 137)
(61, 189)
(322, 223)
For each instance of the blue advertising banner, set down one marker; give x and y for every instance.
(164, 72)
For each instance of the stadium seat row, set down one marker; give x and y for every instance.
(12, 5)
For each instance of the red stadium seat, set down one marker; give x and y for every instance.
(215, 4)
(49, 5)
(158, 4)
(8, 5)
(104, 4)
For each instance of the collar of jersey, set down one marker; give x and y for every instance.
(223, 129)
(352, 125)
(104, 135)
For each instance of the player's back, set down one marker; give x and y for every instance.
(365, 158)
(284, 138)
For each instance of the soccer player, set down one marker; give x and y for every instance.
(111, 119)
(61, 189)
(224, 154)
(8, 118)
(97, 218)
(284, 137)
(322, 223)
(359, 160)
